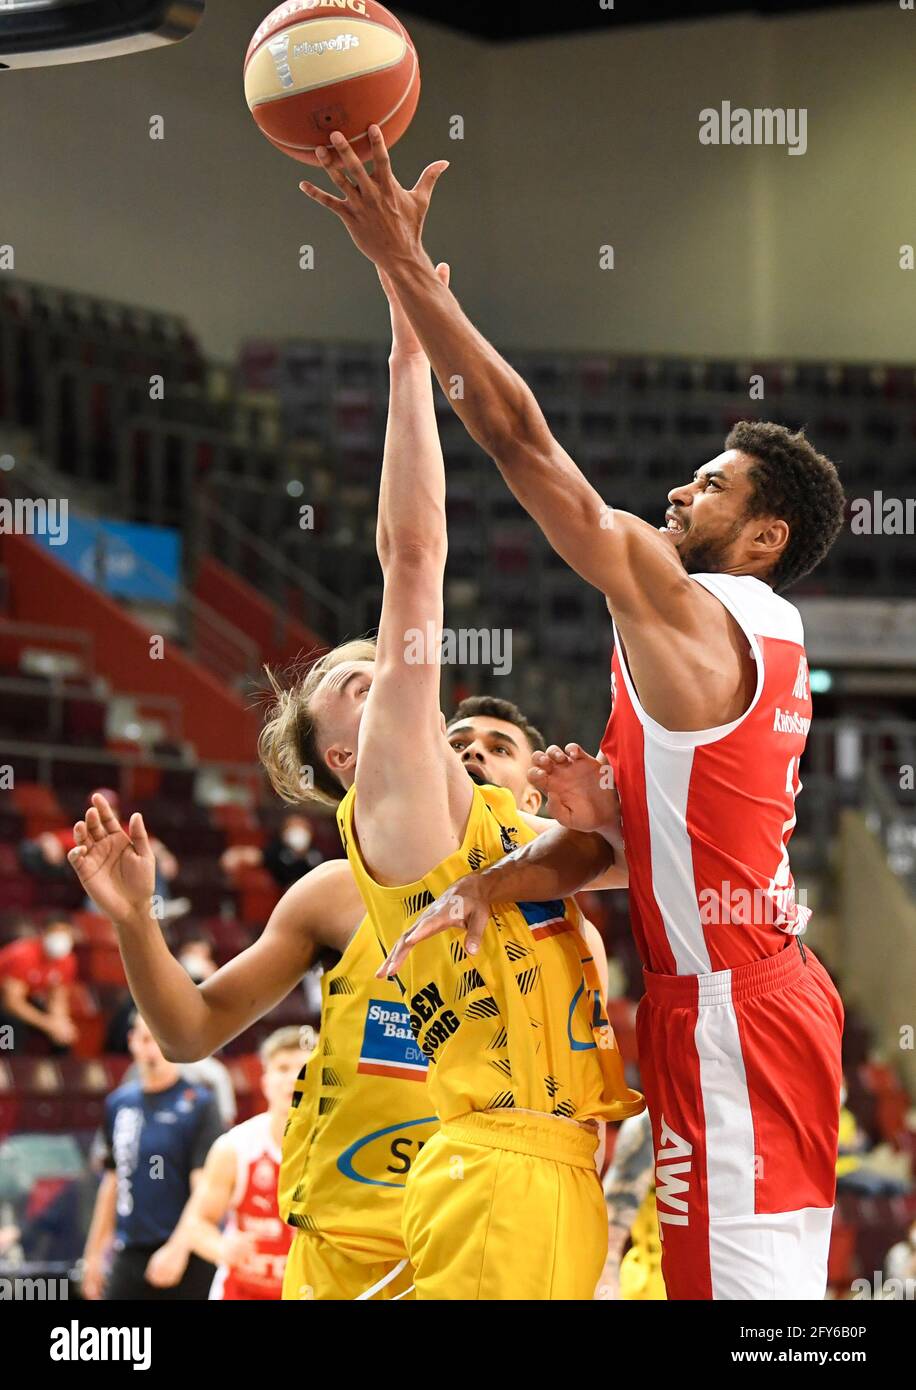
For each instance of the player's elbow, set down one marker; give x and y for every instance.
(183, 1050)
(413, 555)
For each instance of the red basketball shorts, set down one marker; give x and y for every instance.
(741, 1071)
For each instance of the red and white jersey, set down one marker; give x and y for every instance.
(707, 815)
(254, 1208)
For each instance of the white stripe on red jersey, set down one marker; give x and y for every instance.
(707, 815)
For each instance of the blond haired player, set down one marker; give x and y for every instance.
(522, 1064)
(232, 1218)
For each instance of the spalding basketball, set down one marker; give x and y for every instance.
(315, 66)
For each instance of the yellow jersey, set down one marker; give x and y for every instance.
(360, 1112)
(522, 1024)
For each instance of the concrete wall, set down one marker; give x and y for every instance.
(569, 144)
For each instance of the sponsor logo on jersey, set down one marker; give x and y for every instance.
(389, 1047)
(384, 1157)
(787, 722)
(545, 919)
(800, 688)
(672, 1191)
(264, 1174)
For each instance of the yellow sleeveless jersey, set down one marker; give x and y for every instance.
(522, 1024)
(361, 1112)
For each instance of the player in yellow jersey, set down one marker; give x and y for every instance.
(504, 1201)
(340, 1187)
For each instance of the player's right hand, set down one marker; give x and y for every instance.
(118, 871)
(464, 904)
(238, 1247)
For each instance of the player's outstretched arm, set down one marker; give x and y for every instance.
(191, 1021)
(555, 865)
(405, 770)
(619, 554)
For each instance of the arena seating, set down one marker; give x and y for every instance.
(228, 458)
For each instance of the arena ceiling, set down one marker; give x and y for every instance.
(510, 20)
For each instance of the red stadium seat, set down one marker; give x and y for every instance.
(94, 929)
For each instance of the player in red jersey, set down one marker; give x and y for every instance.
(740, 1027)
(237, 1190)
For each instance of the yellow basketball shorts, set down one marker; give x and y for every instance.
(506, 1205)
(317, 1270)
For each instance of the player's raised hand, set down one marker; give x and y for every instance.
(579, 789)
(404, 340)
(118, 871)
(464, 904)
(384, 219)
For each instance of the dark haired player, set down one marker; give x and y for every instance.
(740, 1028)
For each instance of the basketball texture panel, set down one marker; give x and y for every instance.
(312, 68)
(317, 54)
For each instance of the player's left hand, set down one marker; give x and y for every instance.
(166, 1266)
(384, 219)
(464, 904)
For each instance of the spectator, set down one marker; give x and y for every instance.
(196, 955)
(287, 855)
(35, 978)
(46, 856)
(154, 1140)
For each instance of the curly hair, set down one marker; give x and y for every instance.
(792, 481)
(494, 707)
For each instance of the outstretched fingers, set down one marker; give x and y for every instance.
(327, 200)
(380, 157)
(351, 162)
(429, 178)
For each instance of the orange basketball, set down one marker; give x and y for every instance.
(315, 66)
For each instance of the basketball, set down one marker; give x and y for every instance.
(315, 66)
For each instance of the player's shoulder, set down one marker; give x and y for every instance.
(251, 1133)
(130, 1092)
(324, 902)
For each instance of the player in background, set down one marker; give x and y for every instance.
(739, 1033)
(153, 1141)
(232, 1219)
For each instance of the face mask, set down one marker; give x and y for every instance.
(297, 837)
(194, 966)
(58, 944)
